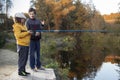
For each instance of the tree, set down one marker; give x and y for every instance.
(81, 15)
(44, 12)
(60, 8)
(66, 14)
(97, 22)
(7, 22)
(118, 17)
(119, 6)
(53, 11)
(77, 18)
(8, 5)
(32, 3)
(1, 5)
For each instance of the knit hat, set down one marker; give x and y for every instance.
(20, 15)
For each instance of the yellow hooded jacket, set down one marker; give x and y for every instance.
(21, 34)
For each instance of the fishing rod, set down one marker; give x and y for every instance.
(103, 31)
(71, 31)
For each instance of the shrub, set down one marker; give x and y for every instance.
(2, 39)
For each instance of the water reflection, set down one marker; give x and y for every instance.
(107, 72)
(95, 65)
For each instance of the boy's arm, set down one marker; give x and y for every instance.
(27, 24)
(28, 27)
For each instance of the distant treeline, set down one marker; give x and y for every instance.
(111, 16)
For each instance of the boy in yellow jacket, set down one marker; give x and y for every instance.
(22, 39)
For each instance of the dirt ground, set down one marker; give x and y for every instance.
(8, 68)
(8, 63)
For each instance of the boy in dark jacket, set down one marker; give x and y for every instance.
(34, 24)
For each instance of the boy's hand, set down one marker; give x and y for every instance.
(37, 34)
(43, 22)
(30, 31)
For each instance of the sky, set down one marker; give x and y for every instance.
(107, 6)
(103, 6)
(19, 6)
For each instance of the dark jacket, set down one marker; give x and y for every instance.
(33, 25)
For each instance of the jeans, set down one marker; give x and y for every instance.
(23, 57)
(35, 54)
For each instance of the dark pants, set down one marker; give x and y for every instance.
(23, 56)
(35, 54)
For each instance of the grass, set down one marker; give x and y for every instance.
(10, 46)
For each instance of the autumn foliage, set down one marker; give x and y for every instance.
(60, 9)
(66, 14)
(112, 18)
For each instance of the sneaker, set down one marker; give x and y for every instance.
(41, 68)
(35, 70)
(22, 73)
(27, 73)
